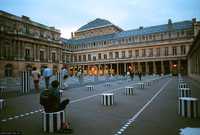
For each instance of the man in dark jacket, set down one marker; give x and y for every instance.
(50, 99)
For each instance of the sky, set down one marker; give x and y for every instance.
(70, 15)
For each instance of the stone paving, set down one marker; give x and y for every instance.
(152, 110)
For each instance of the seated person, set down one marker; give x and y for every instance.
(50, 99)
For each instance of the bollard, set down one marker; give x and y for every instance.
(141, 85)
(107, 85)
(90, 87)
(53, 121)
(188, 107)
(107, 99)
(129, 91)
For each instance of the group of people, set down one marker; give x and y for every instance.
(131, 74)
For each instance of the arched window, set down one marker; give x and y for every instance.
(8, 70)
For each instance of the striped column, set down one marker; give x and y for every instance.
(107, 99)
(188, 107)
(61, 92)
(25, 82)
(90, 87)
(141, 85)
(2, 104)
(2, 90)
(182, 85)
(148, 83)
(59, 79)
(129, 91)
(185, 92)
(107, 85)
(53, 121)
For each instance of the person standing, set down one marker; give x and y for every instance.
(140, 75)
(47, 73)
(36, 78)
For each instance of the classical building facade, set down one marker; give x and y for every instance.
(25, 43)
(194, 59)
(100, 47)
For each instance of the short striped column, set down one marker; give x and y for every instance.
(59, 78)
(107, 85)
(2, 104)
(2, 90)
(25, 82)
(188, 107)
(90, 87)
(182, 85)
(129, 91)
(107, 99)
(61, 92)
(53, 121)
(185, 92)
(141, 85)
(148, 83)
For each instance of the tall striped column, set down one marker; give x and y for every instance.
(25, 82)
(2, 104)
(59, 79)
(53, 121)
(188, 107)
(107, 99)
(185, 92)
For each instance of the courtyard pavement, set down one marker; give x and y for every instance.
(150, 111)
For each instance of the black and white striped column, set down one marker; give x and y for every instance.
(2, 104)
(182, 85)
(25, 82)
(90, 87)
(59, 78)
(61, 92)
(53, 121)
(107, 85)
(141, 85)
(129, 91)
(185, 92)
(148, 83)
(188, 107)
(107, 99)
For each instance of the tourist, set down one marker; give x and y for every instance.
(140, 75)
(47, 73)
(36, 77)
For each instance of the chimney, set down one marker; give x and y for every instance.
(72, 35)
(169, 21)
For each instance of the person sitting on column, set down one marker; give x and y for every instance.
(51, 101)
(47, 73)
(36, 78)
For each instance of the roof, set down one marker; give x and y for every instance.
(95, 24)
(177, 26)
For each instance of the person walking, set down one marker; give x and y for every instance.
(36, 77)
(140, 75)
(47, 73)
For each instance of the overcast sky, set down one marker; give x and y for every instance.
(69, 15)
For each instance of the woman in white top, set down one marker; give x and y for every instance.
(36, 78)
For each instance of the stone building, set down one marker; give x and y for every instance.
(25, 43)
(100, 46)
(194, 59)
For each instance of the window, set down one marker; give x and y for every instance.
(84, 57)
(79, 58)
(75, 58)
(183, 50)
(94, 58)
(151, 52)
(136, 53)
(89, 57)
(99, 56)
(53, 57)
(157, 51)
(123, 54)
(8, 70)
(174, 50)
(110, 55)
(130, 53)
(143, 53)
(116, 55)
(105, 56)
(27, 54)
(41, 55)
(166, 51)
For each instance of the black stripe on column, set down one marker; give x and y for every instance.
(55, 121)
(192, 109)
(47, 122)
